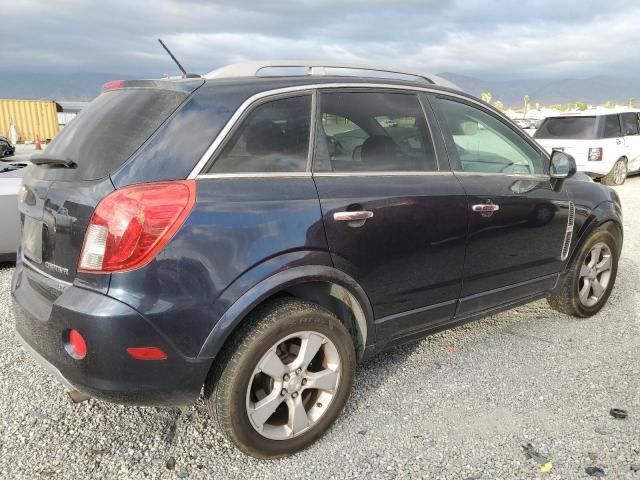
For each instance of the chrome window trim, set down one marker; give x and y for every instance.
(381, 174)
(256, 175)
(534, 176)
(212, 150)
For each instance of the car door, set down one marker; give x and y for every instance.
(394, 214)
(631, 131)
(518, 223)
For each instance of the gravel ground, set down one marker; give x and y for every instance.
(461, 404)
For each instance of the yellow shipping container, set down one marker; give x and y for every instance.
(31, 117)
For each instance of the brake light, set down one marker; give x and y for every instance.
(595, 154)
(112, 84)
(130, 226)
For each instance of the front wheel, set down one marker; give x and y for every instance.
(617, 175)
(591, 277)
(283, 378)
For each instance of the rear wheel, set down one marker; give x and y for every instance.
(591, 277)
(283, 378)
(618, 173)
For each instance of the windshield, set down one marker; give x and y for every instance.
(578, 128)
(109, 130)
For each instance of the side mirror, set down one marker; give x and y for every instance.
(562, 165)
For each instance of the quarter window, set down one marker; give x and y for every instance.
(612, 126)
(370, 131)
(485, 144)
(274, 137)
(630, 123)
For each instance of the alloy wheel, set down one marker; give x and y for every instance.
(619, 172)
(595, 274)
(293, 385)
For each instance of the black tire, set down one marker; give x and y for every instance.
(235, 367)
(611, 179)
(567, 299)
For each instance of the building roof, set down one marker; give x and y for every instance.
(71, 106)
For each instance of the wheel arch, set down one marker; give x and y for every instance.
(323, 285)
(607, 214)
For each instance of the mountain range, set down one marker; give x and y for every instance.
(593, 90)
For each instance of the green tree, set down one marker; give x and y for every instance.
(499, 105)
(608, 104)
(486, 97)
(581, 106)
(632, 103)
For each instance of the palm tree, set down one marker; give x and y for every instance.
(526, 106)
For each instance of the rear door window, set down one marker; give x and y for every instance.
(373, 132)
(274, 137)
(630, 124)
(111, 128)
(612, 127)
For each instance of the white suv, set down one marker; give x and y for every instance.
(605, 143)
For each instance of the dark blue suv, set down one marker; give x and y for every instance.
(259, 231)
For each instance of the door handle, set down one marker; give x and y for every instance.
(485, 208)
(352, 216)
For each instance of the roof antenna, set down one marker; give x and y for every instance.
(184, 72)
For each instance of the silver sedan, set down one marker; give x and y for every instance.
(11, 174)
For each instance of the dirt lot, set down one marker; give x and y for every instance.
(493, 399)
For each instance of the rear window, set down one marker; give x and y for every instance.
(577, 128)
(110, 129)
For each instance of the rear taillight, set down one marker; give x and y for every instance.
(130, 226)
(595, 154)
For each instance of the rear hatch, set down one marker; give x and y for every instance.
(60, 192)
(570, 134)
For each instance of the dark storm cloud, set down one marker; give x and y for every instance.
(521, 38)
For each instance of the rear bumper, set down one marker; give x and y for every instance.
(109, 327)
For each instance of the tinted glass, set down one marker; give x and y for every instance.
(486, 144)
(611, 127)
(577, 128)
(368, 131)
(111, 128)
(273, 138)
(629, 123)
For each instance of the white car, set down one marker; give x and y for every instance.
(605, 143)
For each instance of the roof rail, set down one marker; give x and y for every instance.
(279, 68)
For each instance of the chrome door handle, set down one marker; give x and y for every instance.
(485, 207)
(352, 216)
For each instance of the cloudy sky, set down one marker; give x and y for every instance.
(507, 39)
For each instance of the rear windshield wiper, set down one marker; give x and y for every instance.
(44, 159)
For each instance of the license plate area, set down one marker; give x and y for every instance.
(32, 239)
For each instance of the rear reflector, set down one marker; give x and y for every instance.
(130, 226)
(75, 345)
(147, 353)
